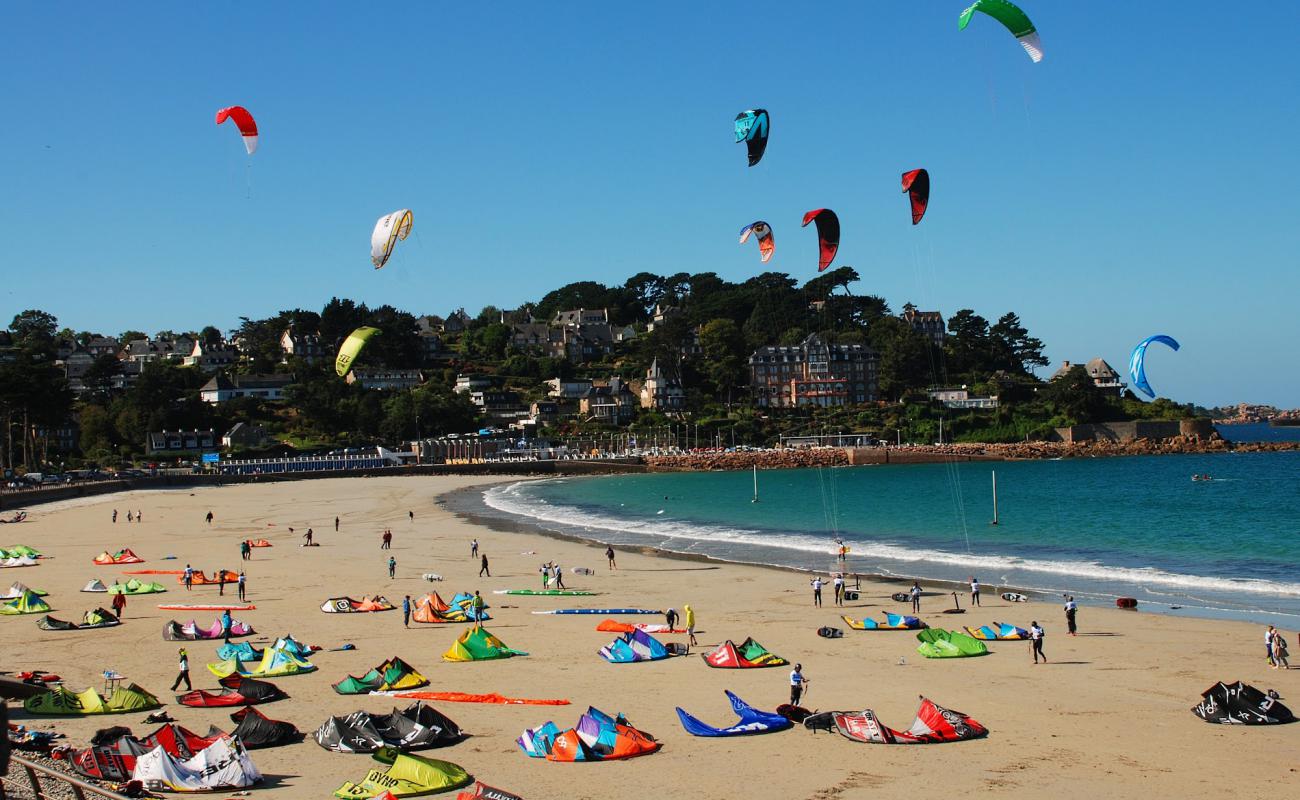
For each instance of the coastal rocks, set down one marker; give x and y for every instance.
(763, 459)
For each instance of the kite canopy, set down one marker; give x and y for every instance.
(916, 184)
(95, 585)
(1137, 362)
(256, 730)
(61, 701)
(95, 618)
(113, 751)
(407, 776)
(1240, 704)
(596, 737)
(224, 764)
(934, 724)
(431, 608)
(763, 232)
(481, 791)
(939, 643)
(346, 605)
(751, 128)
(191, 631)
(1012, 18)
(828, 235)
(28, 602)
(135, 586)
(416, 727)
(274, 664)
(220, 576)
(237, 691)
(614, 626)
(998, 631)
(636, 645)
(120, 557)
(751, 721)
(893, 622)
(244, 121)
(388, 230)
(476, 644)
(749, 654)
(393, 674)
(352, 347)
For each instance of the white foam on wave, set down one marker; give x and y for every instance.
(512, 499)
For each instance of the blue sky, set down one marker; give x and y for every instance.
(1139, 180)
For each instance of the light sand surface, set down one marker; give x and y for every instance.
(1107, 717)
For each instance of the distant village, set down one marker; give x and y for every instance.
(833, 366)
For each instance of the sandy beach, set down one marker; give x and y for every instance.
(1107, 716)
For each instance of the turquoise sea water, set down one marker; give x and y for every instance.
(1097, 528)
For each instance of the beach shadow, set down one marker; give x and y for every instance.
(1100, 633)
(668, 569)
(1069, 663)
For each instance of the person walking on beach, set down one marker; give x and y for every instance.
(139, 516)
(817, 591)
(242, 583)
(546, 576)
(609, 554)
(797, 681)
(392, 567)
(483, 567)
(183, 672)
(839, 588)
(1071, 608)
(307, 536)
(226, 623)
(473, 549)
(221, 583)
(406, 611)
(209, 517)
(690, 623)
(119, 605)
(558, 575)
(1268, 646)
(479, 605)
(1279, 651)
(974, 591)
(916, 597)
(387, 541)
(336, 524)
(670, 619)
(189, 578)
(115, 516)
(411, 514)
(1036, 635)
(129, 517)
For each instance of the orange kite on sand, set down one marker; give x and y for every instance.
(200, 579)
(153, 572)
(259, 543)
(495, 699)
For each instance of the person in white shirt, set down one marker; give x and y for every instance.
(817, 591)
(839, 589)
(974, 591)
(1071, 609)
(797, 681)
(1036, 635)
(183, 671)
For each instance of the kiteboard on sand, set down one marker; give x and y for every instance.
(206, 607)
(1014, 598)
(601, 611)
(545, 592)
(902, 597)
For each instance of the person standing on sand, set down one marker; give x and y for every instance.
(336, 524)
(221, 583)
(307, 536)
(974, 591)
(1071, 609)
(411, 514)
(406, 611)
(115, 516)
(1036, 635)
(479, 605)
(609, 554)
(226, 623)
(797, 681)
(670, 619)
(209, 517)
(1268, 646)
(392, 567)
(690, 623)
(243, 586)
(558, 574)
(183, 672)
(139, 516)
(189, 578)
(129, 518)
(817, 591)
(119, 605)
(1279, 651)
(473, 549)
(839, 588)
(916, 597)
(386, 542)
(483, 567)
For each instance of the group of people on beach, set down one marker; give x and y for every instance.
(241, 581)
(1275, 649)
(137, 517)
(552, 575)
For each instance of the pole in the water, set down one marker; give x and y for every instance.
(995, 497)
(755, 500)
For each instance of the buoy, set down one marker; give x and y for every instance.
(1126, 602)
